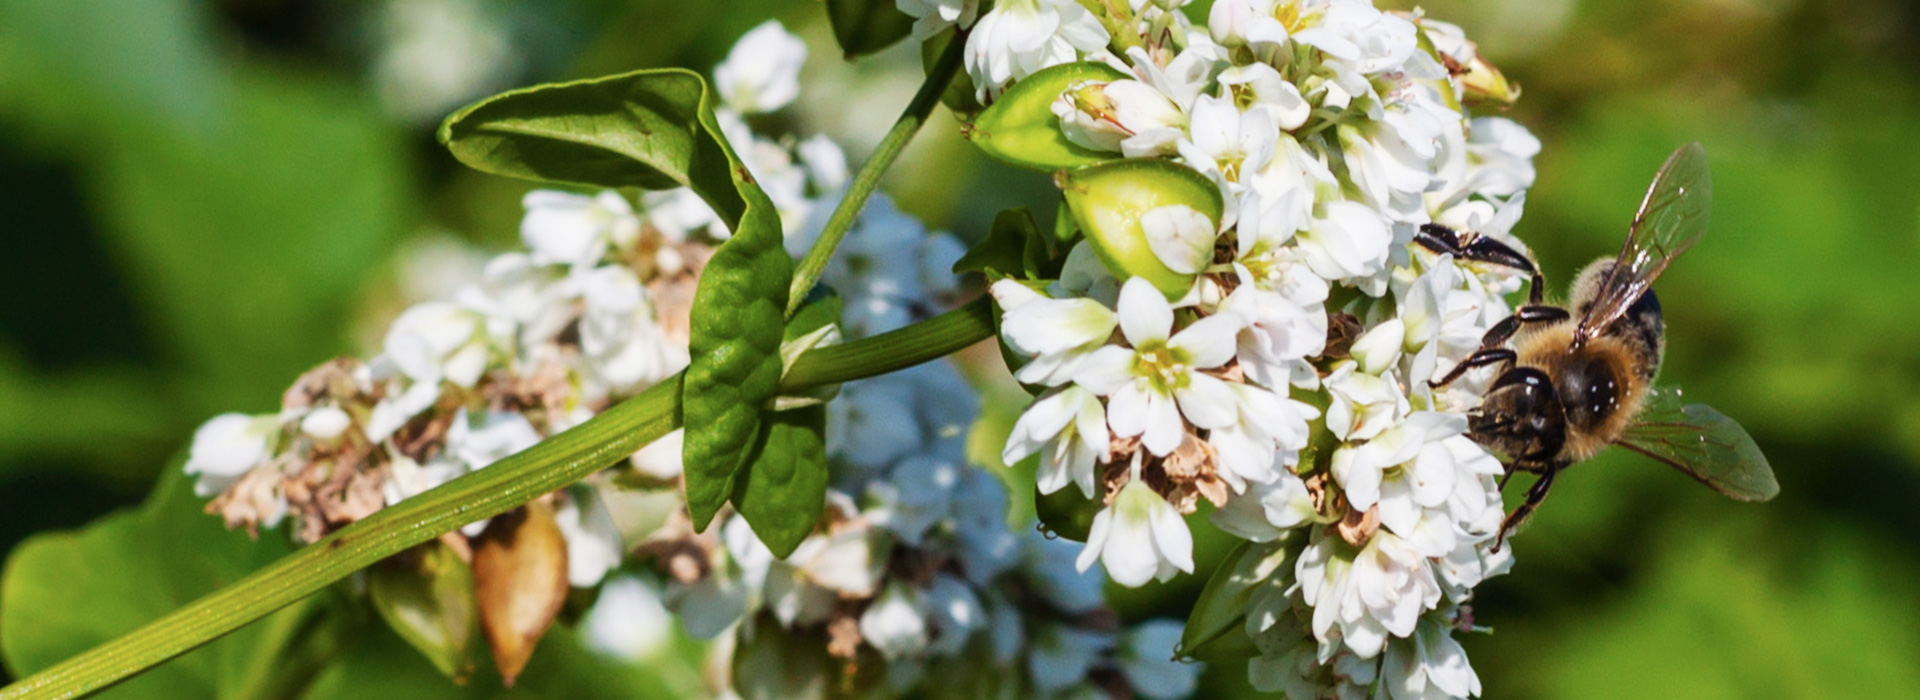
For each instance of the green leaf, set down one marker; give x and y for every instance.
(64, 593)
(426, 595)
(1020, 128)
(739, 320)
(1109, 200)
(959, 93)
(655, 129)
(1216, 628)
(379, 667)
(651, 129)
(1006, 249)
(1066, 513)
(867, 26)
(782, 491)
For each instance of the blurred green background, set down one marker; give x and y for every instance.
(203, 199)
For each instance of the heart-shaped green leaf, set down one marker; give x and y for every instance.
(1020, 129)
(650, 129)
(1109, 200)
(866, 26)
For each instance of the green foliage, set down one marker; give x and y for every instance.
(65, 593)
(655, 129)
(1014, 246)
(651, 129)
(867, 26)
(1019, 128)
(426, 595)
(379, 666)
(739, 314)
(1066, 513)
(1217, 626)
(1109, 200)
(783, 488)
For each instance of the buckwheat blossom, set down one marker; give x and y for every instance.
(1140, 537)
(1332, 130)
(1019, 37)
(762, 72)
(931, 17)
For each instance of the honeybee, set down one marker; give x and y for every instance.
(1577, 379)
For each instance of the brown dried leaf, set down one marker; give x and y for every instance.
(520, 579)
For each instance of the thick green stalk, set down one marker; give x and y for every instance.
(554, 463)
(868, 179)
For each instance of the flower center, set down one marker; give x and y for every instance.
(1162, 365)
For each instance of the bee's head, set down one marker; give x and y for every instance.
(1521, 417)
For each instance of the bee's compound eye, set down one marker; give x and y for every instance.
(1591, 392)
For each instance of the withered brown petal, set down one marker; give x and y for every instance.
(520, 579)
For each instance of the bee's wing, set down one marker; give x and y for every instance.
(1708, 446)
(1671, 218)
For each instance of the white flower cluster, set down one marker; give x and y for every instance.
(915, 561)
(1289, 386)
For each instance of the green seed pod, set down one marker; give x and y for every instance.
(1109, 201)
(1020, 128)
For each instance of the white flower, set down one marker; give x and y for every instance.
(1265, 440)
(931, 17)
(594, 545)
(1355, 33)
(1259, 86)
(1069, 429)
(762, 71)
(618, 335)
(1153, 384)
(1180, 237)
(1500, 153)
(1430, 665)
(1060, 334)
(226, 447)
(1266, 511)
(1378, 350)
(825, 162)
(1227, 144)
(562, 228)
(1362, 404)
(627, 621)
(851, 562)
(1146, 659)
(491, 436)
(438, 340)
(1408, 472)
(1389, 168)
(1348, 240)
(1359, 598)
(1255, 23)
(407, 478)
(1128, 116)
(678, 212)
(326, 423)
(1020, 37)
(1140, 537)
(1182, 79)
(894, 624)
(661, 459)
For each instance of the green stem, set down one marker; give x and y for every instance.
(868, 179)
(556, 462)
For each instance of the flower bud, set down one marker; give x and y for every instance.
(1379, 348)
